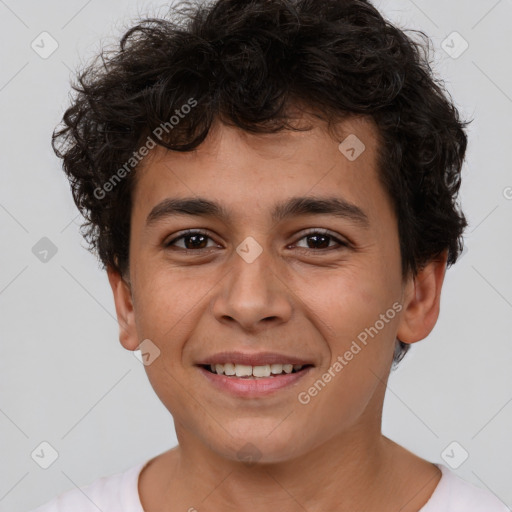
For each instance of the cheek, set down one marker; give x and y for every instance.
(346, 300)
(168, 300)
(361, 347)
(353, 310)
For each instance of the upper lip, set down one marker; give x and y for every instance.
(254, 359)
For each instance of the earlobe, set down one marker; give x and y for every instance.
(422, 297)
(124, 309)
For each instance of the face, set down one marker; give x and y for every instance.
(268, 280)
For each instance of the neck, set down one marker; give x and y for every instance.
(358, 469)
(353, 462)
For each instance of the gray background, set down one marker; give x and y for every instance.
(65, 378)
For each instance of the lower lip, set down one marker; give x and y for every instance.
(247, 387)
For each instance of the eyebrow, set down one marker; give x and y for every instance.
(200, 207)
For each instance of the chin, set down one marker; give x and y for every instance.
(263, 444)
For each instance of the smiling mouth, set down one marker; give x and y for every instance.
(242, 371)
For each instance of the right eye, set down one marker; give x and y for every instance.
(193, 240)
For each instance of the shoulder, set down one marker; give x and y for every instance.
(108, 494)
(453, 494)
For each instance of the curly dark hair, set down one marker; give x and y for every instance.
(249, 63)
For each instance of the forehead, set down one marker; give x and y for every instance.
(249, 173)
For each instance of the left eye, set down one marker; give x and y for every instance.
(322, 238)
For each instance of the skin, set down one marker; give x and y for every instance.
(298, 297)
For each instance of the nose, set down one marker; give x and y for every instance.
(253, 295)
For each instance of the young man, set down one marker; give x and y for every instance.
(271, 186)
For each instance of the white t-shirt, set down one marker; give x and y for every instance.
(119, 493)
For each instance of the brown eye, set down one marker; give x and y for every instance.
(192, 240)
(321, 240)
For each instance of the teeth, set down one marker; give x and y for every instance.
(276, 369)
(229, 369)
(261, 371)
(242, 370)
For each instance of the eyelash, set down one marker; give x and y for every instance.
(311, 232)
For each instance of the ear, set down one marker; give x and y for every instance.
(124, 309)
(422, 296)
